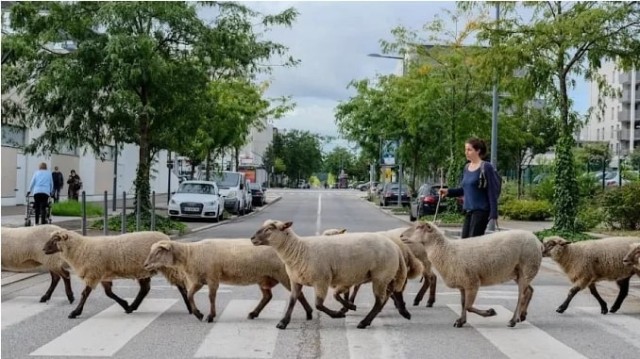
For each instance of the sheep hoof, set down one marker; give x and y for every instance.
(523, 317)
(338, 315)
(561, 310)
(73, 315)
(613, 310)
(71, 299)
(282, 325)
(491, 312)
(429, 304)
(129, 310)
(44, 299)
(309, 315)
(210, 318)
(362, 325)
(198, 315)
(459, 323)
(252, 315)
(405, 314)
(512, 323)
(416, 303)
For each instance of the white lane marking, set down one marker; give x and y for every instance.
(318, 219)
(235, 336)
(20, 308)
(623, 326)
(523, 341)
(106, 332)
(375, 341)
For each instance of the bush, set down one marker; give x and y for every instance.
(544, 190)
(528, 210)
(163, 224)
(621, 207)
(589, 217)
(447, 217)
(570, 236)
(74, 209)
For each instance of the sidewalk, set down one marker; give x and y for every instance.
(75, 224)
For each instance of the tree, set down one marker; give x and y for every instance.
(296, 154)
(139, 73)
(561, 41)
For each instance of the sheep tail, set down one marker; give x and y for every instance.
(401, 275)
(414, 266)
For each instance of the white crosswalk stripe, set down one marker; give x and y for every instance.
(108, 332)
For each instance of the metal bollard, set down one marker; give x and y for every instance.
(123, 222)
(153, 210)
(84, 213)
(105, 226)
(138, 212)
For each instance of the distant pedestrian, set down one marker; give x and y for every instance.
(480, 189)
(58, 183)
(75, 185)
(41, 186)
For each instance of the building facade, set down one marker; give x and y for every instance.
(618, 124)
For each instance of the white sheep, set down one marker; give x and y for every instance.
(22, 252)
(229, 261)
(323, 262)
(412, 252)
(101, 259)
(588, 262)
(482, 261)
(633, 256)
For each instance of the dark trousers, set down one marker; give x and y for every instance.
(56, 195)
(475, 223)
(40, 203)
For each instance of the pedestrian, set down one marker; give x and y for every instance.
(480, 189)
(41, 187)
(75, 184)
(58, 183)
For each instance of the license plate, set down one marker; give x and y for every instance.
(191, 209)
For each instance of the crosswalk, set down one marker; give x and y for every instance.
(162, 329)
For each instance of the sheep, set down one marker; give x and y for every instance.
(229, 261)
(415, 251)
(633, 256)
(486, 260)
(22, 251)
(588, 262)
(341, 263)
(104, 258)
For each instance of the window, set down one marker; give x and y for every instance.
(598, 134)
(611, 132)
(66, 149)
(13, 136)
(107, 153)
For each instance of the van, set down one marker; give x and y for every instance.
(232, 185)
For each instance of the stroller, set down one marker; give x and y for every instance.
(31, 211)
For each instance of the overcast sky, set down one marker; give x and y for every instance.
(332, 40)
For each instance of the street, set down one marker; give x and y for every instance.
(162, 328)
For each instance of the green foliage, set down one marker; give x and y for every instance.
(74, 209)
(544, 190)
(570, 236)
(163, 224)
(446, 217)
(621, 207)
(588, 218)
(527, 210)
(296, 153)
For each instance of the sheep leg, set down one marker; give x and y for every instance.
(623, 284)
(346, 304)
(432, 290)
(463, 313)
(145, 287)
(296, 289)
(183, 293)
(213, 290)
(55, 278)
(109, 292)
(470, 298)
(522, 288)
(352, 298)
(572, 292)
(380, 293)
(321, 294)
(603, 304)
(66, 279)
(85, 294)
(266, 297)
(400, 305)
(193, 289)
(527, 299)
(305, 304)
(426, 281)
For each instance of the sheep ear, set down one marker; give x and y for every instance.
(165, 245)
(64, 236)
(343, 230)
(287, 225)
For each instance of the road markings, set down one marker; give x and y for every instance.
(318, 219)
(523, 341)
(375, 341)
(235, 336)
(20, 308)
(623, 326)
(106, 332)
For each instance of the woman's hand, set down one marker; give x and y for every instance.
(443, 192)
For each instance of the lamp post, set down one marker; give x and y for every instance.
(169, 167)
(397, 157)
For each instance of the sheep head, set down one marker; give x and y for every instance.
(552, 246)
(333, 231)
(633, 257)
(425, 233)
(160, 255)
(53, 244)
(270, 227)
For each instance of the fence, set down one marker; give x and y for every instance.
(123, 214)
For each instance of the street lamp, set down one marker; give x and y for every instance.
(398, 157)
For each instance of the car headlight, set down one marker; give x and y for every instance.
(231, 194)
(213, 203)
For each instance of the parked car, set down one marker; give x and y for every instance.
(426, 201)
(232, 187)
(197, 199)
(389, 194)
(258, 196)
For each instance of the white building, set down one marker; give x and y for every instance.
(619, 123)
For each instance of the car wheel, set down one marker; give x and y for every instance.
(27, 223)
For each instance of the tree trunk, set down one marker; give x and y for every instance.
(142, 186)
(237, 157)
(207, 166)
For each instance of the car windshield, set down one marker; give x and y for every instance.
(255, 186)
(197, 188)
(226, 180)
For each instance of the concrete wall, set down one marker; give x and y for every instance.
(9, 173)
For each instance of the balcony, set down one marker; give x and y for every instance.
(625, 78)
(626, 95)
(623, 134)
(625, 116)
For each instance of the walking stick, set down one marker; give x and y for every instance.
(439, 196)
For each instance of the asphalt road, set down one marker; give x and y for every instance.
(163, 329)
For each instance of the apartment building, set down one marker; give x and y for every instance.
(618, 124)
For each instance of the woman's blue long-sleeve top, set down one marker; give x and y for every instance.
(485, 199)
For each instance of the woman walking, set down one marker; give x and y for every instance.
(41, 187)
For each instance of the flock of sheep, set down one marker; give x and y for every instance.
(338, 260)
